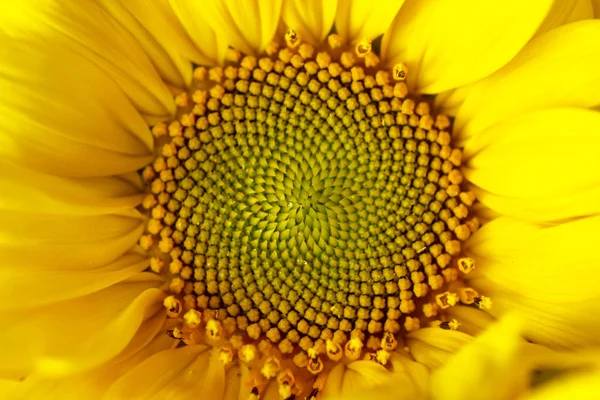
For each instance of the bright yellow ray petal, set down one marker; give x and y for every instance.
(66, 118)
(158, 31)
(55, 242)
(547, 154)
(92, 384)
(433, 346)
(405, 380)
(89, 31)
(444, 48)
(566, 11)
(25, 190)
(547, 273)
(77, 334)
(485, 368)
(247, 26)
(183, 373)
(582, 386)
(556, 69)
(58, 285)
(209, 48)
(472, 320)
(363, 19)
(312, 19)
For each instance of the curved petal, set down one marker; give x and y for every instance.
(549, 274)
(64, 242)
(556, 69)
(580, 386)
(88, 30)
(183, 373)
(566, 11)
(158, 31)
(472, 320)
(433, 346)
(312, 19)
(403, 373)
(363, 19)
(446, 44)
(92, 384)
(247, 26)
(59, 285)
(545, 161)
(487, 368)
(77, 334)
(25, 190)
(209, 47)
(66, 118)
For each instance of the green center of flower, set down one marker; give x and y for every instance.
(306, 208)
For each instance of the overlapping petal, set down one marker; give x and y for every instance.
(358, 19)
(541, 166)
(89, 31)
(548, 273)
(556, 69)
(74, 335)
(447, 44)
(312, 19)
(68, 118)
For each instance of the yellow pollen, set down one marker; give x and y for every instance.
(248, 353)
(483, 302)
(363, 48)
(225, 355)
(400, 71)
(270, 368)
(466, 264)
(383, 356)
(213, 329)
(173, 306)
(446, 300)
(292, 38)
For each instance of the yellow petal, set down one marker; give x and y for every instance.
(580, 386)
(363, 19)
(433, 346)
(405, 380)
(446, 44)
(547, 273)
(77, 334)
(92, 384)
(312, 19)
(556, 69)
(182, 373)
(546, 154)
(25, 190)
(472, 320)
(247, 26)
(158, 31)
(63, 242)
(485, 368)
(363, 380)
(566, 11)
(58, 285)
(89, 31)
(209, 48)
(62, 115)
(542, 209)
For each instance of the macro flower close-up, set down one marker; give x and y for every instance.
(299, 199)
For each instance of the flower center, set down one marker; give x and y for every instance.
(305, 210)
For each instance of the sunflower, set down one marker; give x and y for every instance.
(298, 199)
